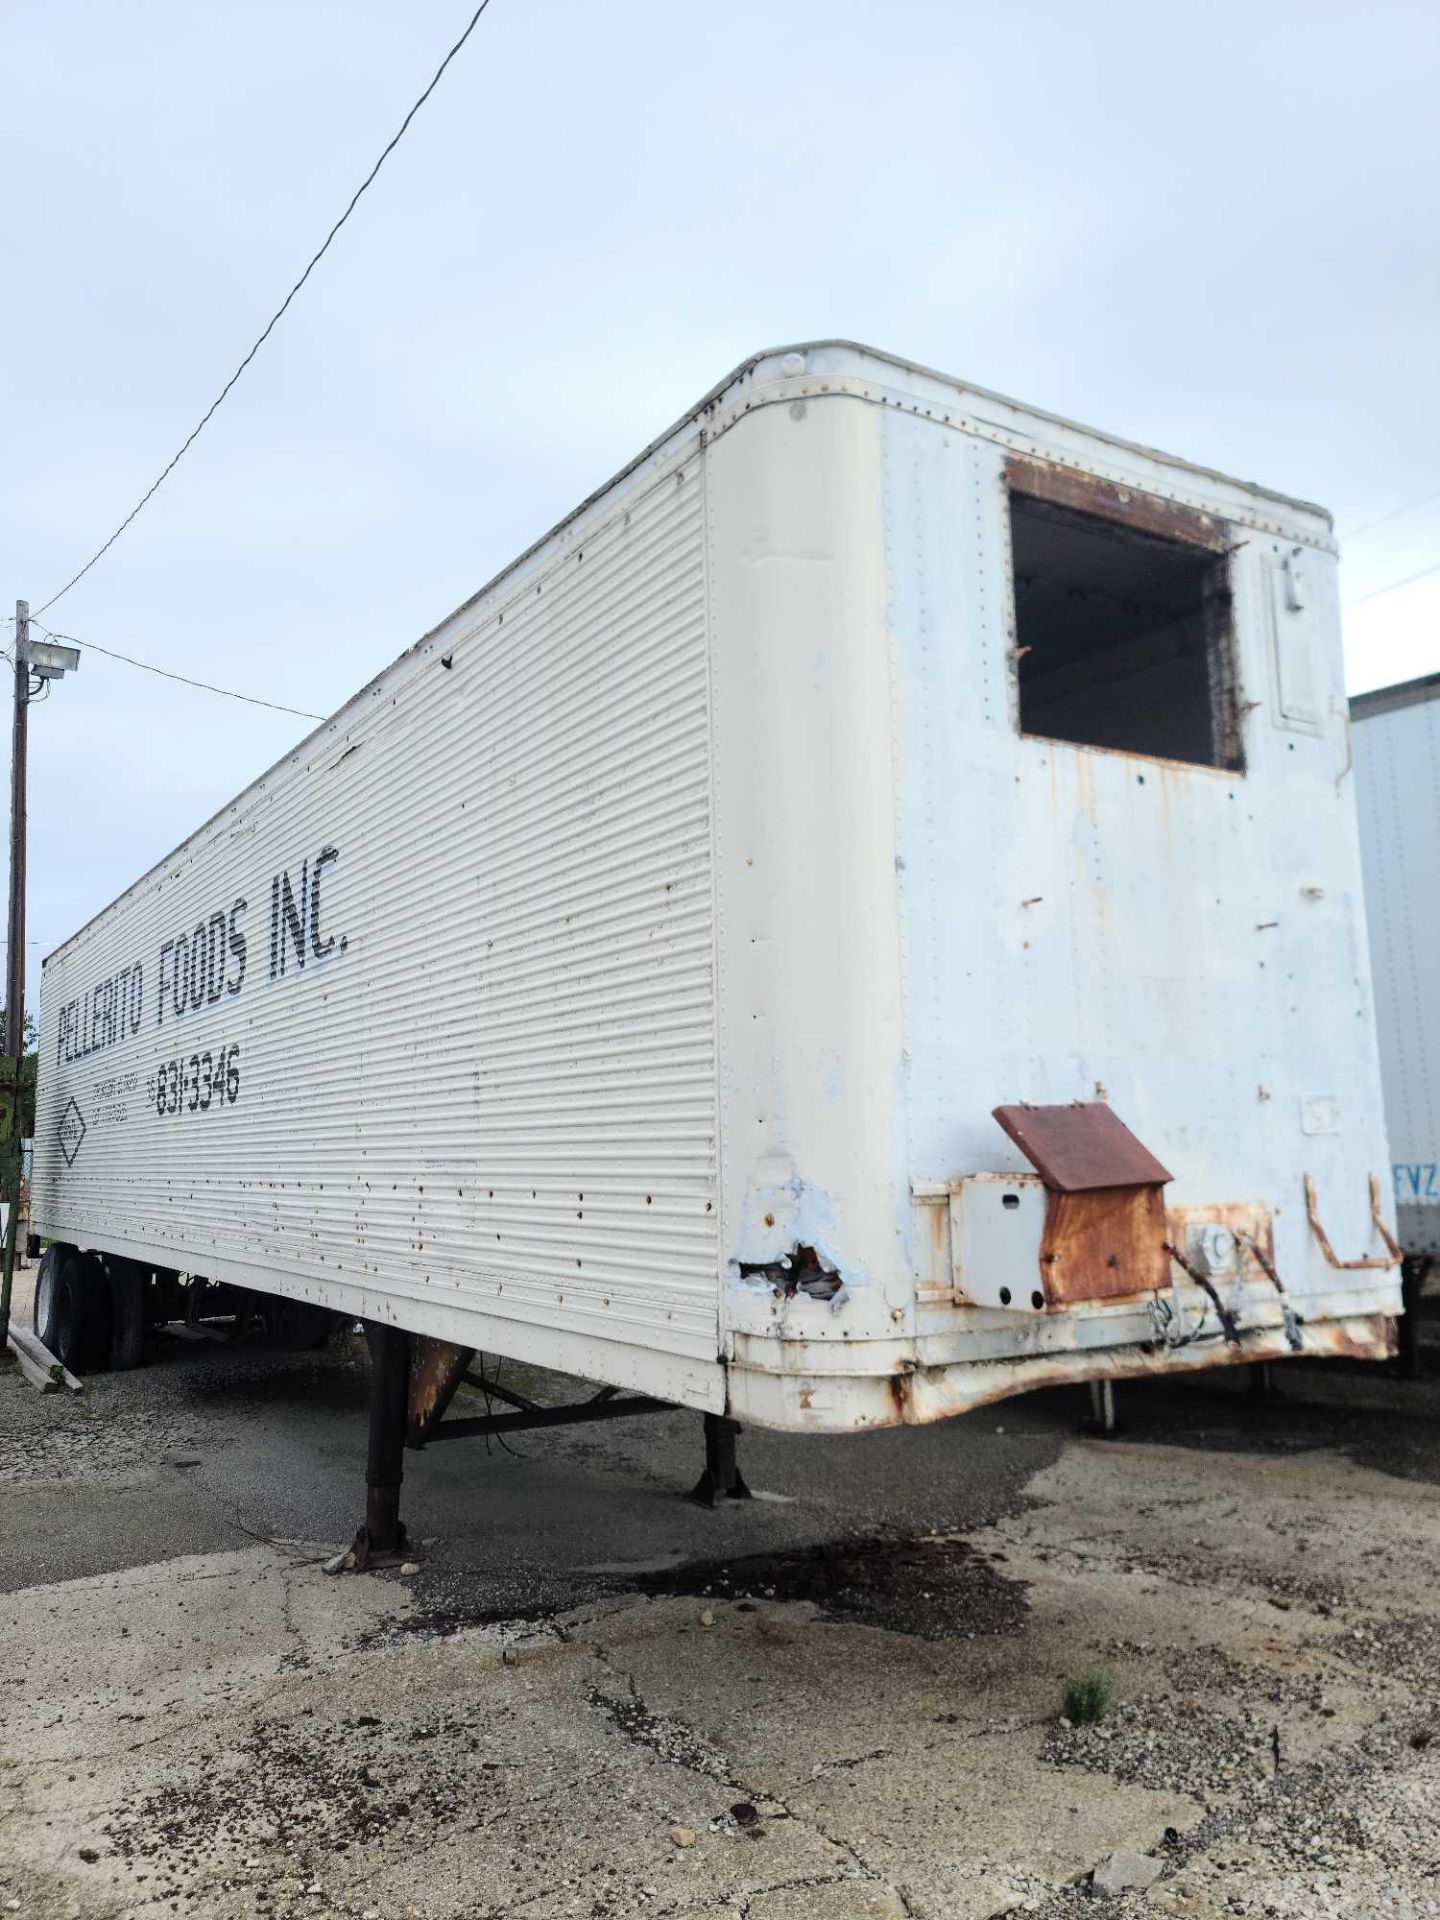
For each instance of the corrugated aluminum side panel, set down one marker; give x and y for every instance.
(496, 1090)
(1397, 786)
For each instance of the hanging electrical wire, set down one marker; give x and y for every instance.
(273, 321)
(1394, 586)
(166, 673)
(1395, 513)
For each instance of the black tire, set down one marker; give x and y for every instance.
(82, 1324)
(42, 1316)
(129, 1288)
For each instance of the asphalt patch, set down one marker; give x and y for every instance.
(936, 1588)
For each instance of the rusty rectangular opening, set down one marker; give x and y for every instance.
(1123, 619)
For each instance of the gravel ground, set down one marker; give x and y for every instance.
(841, 1701)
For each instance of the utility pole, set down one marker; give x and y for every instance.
(15, 957)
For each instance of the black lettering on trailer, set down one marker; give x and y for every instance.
(327, 857)
(237, 947)
(287, 919)
(199, 963)
(215, 958)
(180, 983)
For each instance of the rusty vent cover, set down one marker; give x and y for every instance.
(1077, 1148)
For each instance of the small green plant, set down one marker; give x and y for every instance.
(1089, 1696)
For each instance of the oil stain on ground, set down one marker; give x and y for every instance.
(938, 1587)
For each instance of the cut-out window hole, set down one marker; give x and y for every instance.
(1123, 634)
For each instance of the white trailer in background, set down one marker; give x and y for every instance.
(1396, 734)
(630, 978)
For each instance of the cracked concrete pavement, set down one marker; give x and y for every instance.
(840, 1701)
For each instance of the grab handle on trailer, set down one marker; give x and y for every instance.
(1391, 1258)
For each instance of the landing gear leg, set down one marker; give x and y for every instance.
(1262, 1381)
(382, 1541)
(722, 1478)
(1102, 1409)
(1413, 1274)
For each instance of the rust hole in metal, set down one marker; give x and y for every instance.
(800, 1271)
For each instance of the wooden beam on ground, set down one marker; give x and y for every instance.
(23, 1341)
(33, 1372)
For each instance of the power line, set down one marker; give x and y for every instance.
(146, 666)
(1394, 586)
(275, 317)
(1395, 513)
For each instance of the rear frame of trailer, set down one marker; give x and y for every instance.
(629, 979)
(1396, 732)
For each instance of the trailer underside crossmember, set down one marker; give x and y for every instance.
(413, 1380)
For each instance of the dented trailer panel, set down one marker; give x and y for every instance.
(1396, 733)
(627, 978)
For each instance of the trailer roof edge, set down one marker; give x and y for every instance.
(671, 437)
(1405, 693)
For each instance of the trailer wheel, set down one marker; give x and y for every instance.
(82, 1314)
(43, 1316)
(128, 1291)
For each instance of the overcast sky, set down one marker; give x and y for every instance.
(1211, 228)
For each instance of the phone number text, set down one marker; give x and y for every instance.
(205, 1080)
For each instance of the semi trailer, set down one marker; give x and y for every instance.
(1396, 731)
(861, 919)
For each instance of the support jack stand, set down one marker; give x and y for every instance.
(412, 1382)
(1413, 1275)
(722, 1478)
(1102, 1419)
(1263, 1385)
(382, 1542)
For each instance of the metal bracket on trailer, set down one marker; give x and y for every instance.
(438, 1369)
(1393, 1255)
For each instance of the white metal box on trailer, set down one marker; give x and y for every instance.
(627, 980)
(1396, 731)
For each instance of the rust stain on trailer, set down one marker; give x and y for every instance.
(1248, 1220)
(938, 1225)
(1371, 1339)
(1339, 1343)
(436, 1370)
(1107, 500)
(1104, 1234)
(927, 1396)
(1392, 1257)
(1103, 1243)
(898, 1385)
(1082, 1145)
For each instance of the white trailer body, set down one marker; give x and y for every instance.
(625, 979)
(1396, 731)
